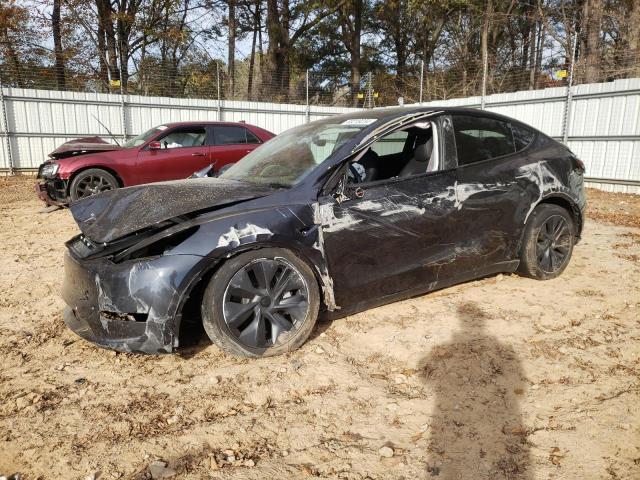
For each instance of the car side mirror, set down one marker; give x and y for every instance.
(155, 145)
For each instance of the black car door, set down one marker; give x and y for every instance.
(491, 192)
(391, 235)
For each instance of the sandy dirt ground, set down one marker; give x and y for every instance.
(504, 377)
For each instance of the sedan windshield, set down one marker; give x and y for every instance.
(143, 137)
(286, 159)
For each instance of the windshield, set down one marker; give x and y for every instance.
(143, 137)
(286, 159)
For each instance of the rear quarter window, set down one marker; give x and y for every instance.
(522, 136)
(233, 135)
(481, 138)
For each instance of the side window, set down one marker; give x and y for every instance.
(479, 138)
(391, 144)
(324, 144)
(522, 136)
(232, 135)
(404, 153)
(184, 137)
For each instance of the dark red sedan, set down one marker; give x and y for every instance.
(87, 166)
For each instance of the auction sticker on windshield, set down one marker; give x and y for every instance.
(359, 121)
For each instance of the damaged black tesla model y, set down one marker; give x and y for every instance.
(334, 216)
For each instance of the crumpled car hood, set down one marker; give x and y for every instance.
(82, 146)
(116, 213)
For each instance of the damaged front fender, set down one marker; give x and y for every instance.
(133, 306)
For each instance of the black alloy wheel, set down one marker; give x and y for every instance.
(260, 303)
(264, 299)
(547, 242)
(553, 244)
(91, 182)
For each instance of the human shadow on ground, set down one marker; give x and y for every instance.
(476, 430)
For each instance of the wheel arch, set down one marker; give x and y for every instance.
(192, 296)
(566, 202)
(98, 167)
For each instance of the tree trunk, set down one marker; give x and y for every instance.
(400, 45)
(590, 45)
(102, 58)
(634, 39)
(539, 47)
(231, 58)
(106, 21)
(533, 42)
(123, 50)
(260, 44)
(355, 34)
(124, 65)
(252, 59)
(57, 45)
(484, 45)
(281, 41)
(278, 50)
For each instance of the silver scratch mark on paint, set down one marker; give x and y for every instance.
(237, 236)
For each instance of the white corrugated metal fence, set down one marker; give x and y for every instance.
(40, 120)
(603, 127)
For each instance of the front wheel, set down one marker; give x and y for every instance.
(261, 303)
(548, 242)
(90, 182)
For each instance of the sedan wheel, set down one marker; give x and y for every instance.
(91, 182)
(260, 303)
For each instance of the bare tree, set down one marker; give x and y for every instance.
(350, 18)
(590, 39)
(287, 22)
(105, 26)
(57, 45)
(231, 57)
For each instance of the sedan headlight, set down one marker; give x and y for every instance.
(49, 170)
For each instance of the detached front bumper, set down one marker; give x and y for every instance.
(52, 191)
(130, 307)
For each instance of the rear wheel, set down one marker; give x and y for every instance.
(261, 303)
(548, 242)
(90, 182)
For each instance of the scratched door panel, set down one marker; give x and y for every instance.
(395, 238)
(490, 196)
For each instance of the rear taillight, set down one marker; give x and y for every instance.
(580, 165)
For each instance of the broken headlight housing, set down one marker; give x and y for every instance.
(155, 245)
(49, 170)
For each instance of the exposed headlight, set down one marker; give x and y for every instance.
(49, 170)
(155, 245)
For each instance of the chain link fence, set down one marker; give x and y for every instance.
(382, 87)
(605, 122)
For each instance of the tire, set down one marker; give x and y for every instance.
(245, 318)
(90, 182)
(548, 242)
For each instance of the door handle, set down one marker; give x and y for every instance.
(198, 154)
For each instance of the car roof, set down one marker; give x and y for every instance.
(389, 113)
(207, 122)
